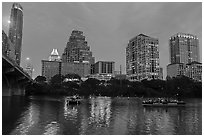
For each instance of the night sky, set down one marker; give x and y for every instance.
(107, 27)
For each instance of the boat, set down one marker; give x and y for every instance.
(73, 100)
(162, 102)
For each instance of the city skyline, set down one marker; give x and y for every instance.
(107, 27)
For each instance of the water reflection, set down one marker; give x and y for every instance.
(157, 120)
(179, 120)
(99, 115)
(100, 111)
(51, 128)
(95, 116)
(70, 111)
(27, 121)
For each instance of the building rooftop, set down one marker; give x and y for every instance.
(184, 35)
(55, 52)
(143, 35)
(174, 64)
(17, 6)
(194, 62)
(140, 35)
(105, 61)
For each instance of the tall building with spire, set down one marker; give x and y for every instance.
(52, 66)
(16, 28)
(77, 49)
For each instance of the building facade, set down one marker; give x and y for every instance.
(50, 68)
(161, 73)
(103, 70)
(5, 46)
(176, 69)
(142, 58)
(16, 29)
(183, 48)
(77, 49)
(104, 67)
(82, 69)
(8, 48)
(54, 65)
(194, 71)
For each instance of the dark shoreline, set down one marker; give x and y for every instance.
(180, 87)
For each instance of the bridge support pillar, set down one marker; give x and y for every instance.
(14, 78)
(6, 90)
(12, 86)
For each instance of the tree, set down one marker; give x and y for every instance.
(57, 79)
(40, 79)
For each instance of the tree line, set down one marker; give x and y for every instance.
(72, 84)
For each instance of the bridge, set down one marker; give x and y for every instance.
(14, 78)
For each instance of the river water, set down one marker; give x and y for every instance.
(96, 116)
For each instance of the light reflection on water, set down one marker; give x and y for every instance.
(98, 115)
(51, 128)
(100, 111)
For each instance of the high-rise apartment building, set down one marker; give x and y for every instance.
(184, 56)
(183, 48)
(77, 49)
(142, 58)
(16, 28)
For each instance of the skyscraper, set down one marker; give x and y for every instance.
(142, 58)
(16, 28)
(184, 51)
(183, 48)
(77, 49)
